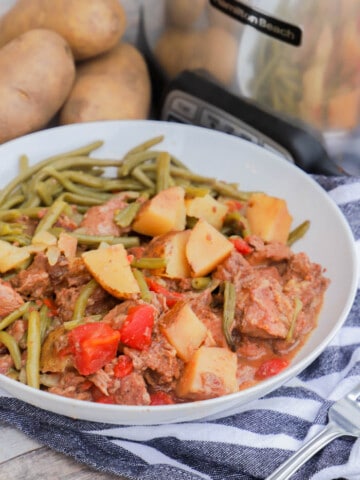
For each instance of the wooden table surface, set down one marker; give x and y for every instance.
(21, 458)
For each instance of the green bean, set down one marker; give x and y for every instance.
(83, 178)
(145, 145)
(23, 163)
(229, 312)
(10, 229)
(144, 179)
(44, 193)
(14, 214)
(92, 240)
(14, 350)
(13, 201)
(134, 160)
(144, 289)
(200, 283)
(21, 240)
(59, 162)
(71, 187)
(81, 301)
(51, 216)
(298, 232)
(149, 263)
(163, 171)
(297, 309)
(125, 216)
(18, 313)
(33, 350)
(192, 191)
(45, 321)
(76, 199)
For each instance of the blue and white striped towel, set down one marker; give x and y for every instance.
(245, 446)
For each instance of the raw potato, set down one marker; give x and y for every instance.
(268, 217)
(184, 330)
(211, 372)
(206, 248)
(162, 214)
(212, 49)
(208, 209)
(90, 27)
(172, 247)
(111, 269)
(37, 73)
(112, 86)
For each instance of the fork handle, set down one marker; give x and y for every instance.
(293, 463)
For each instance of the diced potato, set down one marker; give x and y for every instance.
(163, 213)
(67, 245)
(172, 247)
(11, 256)
(211, 372)
(207, 208)
(268, 217)
(44, 238)
(183, 330)
(206, 248)
(110, 267)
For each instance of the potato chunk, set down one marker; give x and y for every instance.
(207, 208)
(268, 217)
(110, 267)
(172, 247)
(183, 330)
(206, 248)
(211, 372)
(11, 256)
(163, 213)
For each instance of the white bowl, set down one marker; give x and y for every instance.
(328, 242)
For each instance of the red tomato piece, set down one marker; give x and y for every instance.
(241, 245)
(123, 367)
(137, 328)
(49, 302)
(171, 297)
(161, 398)
(93, 346)
(271, 367)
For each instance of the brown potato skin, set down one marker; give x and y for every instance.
(90, 27)
(112, 86)
(37, 73)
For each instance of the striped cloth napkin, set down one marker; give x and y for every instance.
(247, 445)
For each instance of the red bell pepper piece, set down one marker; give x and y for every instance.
(241, 245)
(137, 328)
(171, 297)
(161, 398)
(123, 367)
(93, 346)
(271, 367)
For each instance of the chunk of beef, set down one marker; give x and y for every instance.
(265, 253)
(34, 282)
(231, 267)
(132, 391)
(10, 300)
(262, 308)
(73, 385)
(99, 220)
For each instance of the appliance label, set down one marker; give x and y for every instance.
(259, 20)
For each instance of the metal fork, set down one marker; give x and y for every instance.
(344, 419)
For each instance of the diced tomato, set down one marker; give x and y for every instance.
(161, 398)
(271, 367)
(137, 328)
(171, 297)
(93, 346)
(49, 302)
(241, 245)
(123, 367)
(234, 205)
